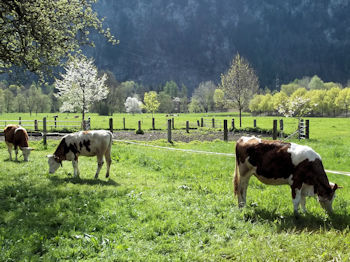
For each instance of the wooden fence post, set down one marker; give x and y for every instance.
(169, 131)
(233, 124)
(55, 118)
(254, 123)
(139, 125)
(281, 127)
(172, 123)
(44, 131)
(89, 123)
(213, 122)
(187, 126)
(307, 129)
(198, 123)
(225, 130)
(202, 122)
(20, 120)
(36, 125)
(153, 123)
(124, 123)
(111, 125)
(274, 130)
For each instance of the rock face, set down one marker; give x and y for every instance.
(191, 41)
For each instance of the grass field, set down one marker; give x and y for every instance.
(163, 205)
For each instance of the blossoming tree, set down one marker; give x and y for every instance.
(80, 86)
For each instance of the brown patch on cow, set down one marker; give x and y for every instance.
(267, 156)
(17, 138)
(86, 132)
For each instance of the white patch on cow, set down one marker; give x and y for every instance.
(245, 139)
(299, 153)
(19, 128)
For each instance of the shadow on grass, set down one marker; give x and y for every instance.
(304, 222)
(74, 180)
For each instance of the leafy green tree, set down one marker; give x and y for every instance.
(151, 103)
(171, 88)
(266, 104)
(254, 104)
(219, 99)
(8, 101)
(300, 92)
(330, 85)
(316, 83)
(331, 96)
(2, 101)
(37, 34)
(343, 100)
(195, 106)
(317, 101)
(32, 97)
(165, 103)
(239, 84)
(279, 101)
(21, 103)
(290, 88)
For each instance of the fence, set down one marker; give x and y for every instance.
(302, 131)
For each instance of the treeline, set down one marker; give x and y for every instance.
(307, 96)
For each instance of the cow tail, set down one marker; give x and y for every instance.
(110, 141)
(236, 179)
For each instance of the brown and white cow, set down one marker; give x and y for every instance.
(277, 163)
(17, 137)
(84, 143)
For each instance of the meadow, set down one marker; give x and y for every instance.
(162, 205)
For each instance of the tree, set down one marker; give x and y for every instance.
(166, 103)
(205, 95)
(2, 101)
(290, 88)
(331, 96)
(280, 101)
(343, 100)
(80, 86)
(133, 105)
(195, 106)
(8, 100)
(316, 83)
(171, 88)
(219, 99)
(239, 84)
(254, 104)
(32, 97)
(37, 34)
(151, 102)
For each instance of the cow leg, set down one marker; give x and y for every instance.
(108, 161)
(16, 152)
(76, 168)
(244, 176)
(9, 148)
(296, 195)
(99, 165)
(302, 203)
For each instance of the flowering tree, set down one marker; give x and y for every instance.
(133, 105)
(297, 106)
(80, 86)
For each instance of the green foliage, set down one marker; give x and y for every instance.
(39, 34)
(150, 102)
(171, 89)
(195, 106)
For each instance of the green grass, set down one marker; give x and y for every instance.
(164, 206)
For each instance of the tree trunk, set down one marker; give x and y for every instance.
(240, 117)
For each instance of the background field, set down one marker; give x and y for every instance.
(162, 205)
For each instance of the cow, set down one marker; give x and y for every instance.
(17, 137)
(84, 143)
(277, 163)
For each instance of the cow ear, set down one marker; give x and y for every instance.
(31, 149)
(48, 156)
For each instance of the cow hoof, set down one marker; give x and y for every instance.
(107, 175)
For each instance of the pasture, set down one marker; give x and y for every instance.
(164, 205)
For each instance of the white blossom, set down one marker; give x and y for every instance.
(133, 105)
(80, 86)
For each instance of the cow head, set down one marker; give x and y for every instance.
(26, 152)
(54, 163)
(327, 200)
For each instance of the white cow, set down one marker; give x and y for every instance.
(84, 143)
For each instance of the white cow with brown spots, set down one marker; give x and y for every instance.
(17, 137)
(277, 163)
(84, 143)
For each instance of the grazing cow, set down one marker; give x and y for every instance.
(83, 143)
(277, 163)
(17, 136)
